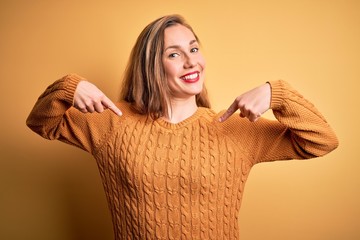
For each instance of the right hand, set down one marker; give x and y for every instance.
(88, 98)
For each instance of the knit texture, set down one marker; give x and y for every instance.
(185, 180)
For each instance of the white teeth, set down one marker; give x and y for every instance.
(192, 76)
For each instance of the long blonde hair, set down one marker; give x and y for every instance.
(144, 84)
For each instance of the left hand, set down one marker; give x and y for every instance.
(251, 104)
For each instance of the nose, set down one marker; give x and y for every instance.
(190, 61)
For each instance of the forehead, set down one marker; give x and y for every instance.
(178, 35)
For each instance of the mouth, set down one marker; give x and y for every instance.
(191, 77)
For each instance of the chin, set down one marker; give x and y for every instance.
(196, 91)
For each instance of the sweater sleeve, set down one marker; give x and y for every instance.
(54, 118)
(300, 132)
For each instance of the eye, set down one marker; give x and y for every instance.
(173, 55)
(195, 49)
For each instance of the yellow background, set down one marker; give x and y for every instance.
(49, 190)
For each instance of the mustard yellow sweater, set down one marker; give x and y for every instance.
(185, 180)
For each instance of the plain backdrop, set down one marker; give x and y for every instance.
(49, 190)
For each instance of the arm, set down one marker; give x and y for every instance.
(301, 131)
(54, 117)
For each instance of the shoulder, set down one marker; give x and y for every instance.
(129, 113)
(229, 126)
(238, 127)
(207, 114)
(125, 107)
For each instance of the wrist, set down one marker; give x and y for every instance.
(276, 93)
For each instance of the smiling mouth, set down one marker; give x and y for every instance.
(191, 77)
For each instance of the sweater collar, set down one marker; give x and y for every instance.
(172, 126)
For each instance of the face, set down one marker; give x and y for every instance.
(183, 63)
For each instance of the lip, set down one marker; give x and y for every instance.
(191, 77)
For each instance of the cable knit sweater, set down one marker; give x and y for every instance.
(184, 180)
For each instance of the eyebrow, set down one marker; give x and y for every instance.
(178, 46)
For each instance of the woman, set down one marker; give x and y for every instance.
(171, 167)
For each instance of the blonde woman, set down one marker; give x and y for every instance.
(171, 167)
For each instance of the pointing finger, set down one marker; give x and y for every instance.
(109, 104)
(233, 108)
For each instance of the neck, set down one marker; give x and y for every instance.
(181, 110)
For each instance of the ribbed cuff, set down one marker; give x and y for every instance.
(277, 94)
(71, 82)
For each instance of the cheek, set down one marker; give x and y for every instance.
(170, 69)
(202, 62)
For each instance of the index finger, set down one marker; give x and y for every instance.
(110, 105)
(230, 111)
